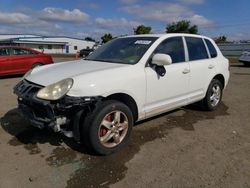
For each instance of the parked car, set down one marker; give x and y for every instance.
(245, 58)
(18, 60)
(85, 52)
(97, 100)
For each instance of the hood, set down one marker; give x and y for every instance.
(49, 74)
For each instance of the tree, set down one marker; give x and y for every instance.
(106, 37)
(142, 29)
(221, 39)
(89, 39)
(182, 26)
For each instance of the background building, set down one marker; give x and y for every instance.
(234, 49)
(51, 45)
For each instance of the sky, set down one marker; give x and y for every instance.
(93, 18)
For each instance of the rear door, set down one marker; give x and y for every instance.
(5, 64)
(21, 59)
(202, 67)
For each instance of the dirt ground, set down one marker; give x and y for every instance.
(187, 147)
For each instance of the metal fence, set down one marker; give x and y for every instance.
(233, 49)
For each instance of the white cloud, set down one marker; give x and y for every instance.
(57, 26)
(93, 6)
(201, 21)
(163, 12)
(166, 13)
(63, 15)
(192, 1)
(128, 2)
(116, 26)
(56, 21)
(14, 18)
(121, 22)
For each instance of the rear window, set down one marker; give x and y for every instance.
(196, 48)
(211, 48)
(19, 51)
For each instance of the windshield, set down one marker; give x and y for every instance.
(123, 50)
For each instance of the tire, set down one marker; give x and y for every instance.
(107, 128)
(213, 96)
(36, 65)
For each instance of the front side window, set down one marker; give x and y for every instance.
(211, 48)
(174, 48)
(4, 52)
(75, 47)
(19, 51)
(196, 48)
(128, 50)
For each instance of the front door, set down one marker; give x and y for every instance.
(171, 90)
(21, 59)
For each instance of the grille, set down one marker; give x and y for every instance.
(26, 89)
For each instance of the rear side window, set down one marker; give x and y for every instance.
(196, 48)
(173, 47)
(19, 51)
(4, 52)
(211, 48)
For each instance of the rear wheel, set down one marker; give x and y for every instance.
(107, 129)
(213, 95)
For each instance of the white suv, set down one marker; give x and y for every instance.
(98, 99)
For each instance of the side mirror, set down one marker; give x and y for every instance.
(161, 59)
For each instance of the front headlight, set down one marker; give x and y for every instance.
(55, 91)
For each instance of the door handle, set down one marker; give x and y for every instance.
(185, 71)
(210, 66)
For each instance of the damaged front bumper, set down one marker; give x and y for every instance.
(62, 115)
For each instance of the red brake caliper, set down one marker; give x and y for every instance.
(103, 129)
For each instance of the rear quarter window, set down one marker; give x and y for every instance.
(196, 48)
(211, 48)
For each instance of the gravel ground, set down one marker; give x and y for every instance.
(187, 147)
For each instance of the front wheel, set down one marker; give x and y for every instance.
(107, 129)
(213, 95)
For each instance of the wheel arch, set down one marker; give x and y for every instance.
(34, 64)
(127, 100)
(221, 78)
